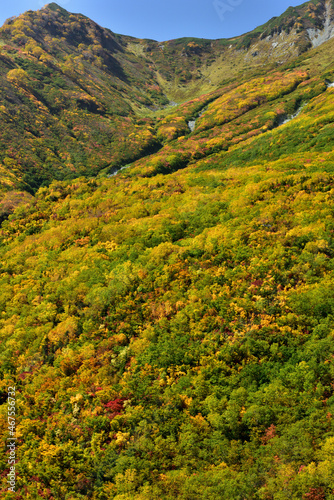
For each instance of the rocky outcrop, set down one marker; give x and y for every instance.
(319, 36)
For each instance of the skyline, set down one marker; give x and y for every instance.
(167, 20)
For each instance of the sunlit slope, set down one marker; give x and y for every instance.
(252, 113)
(170, 329)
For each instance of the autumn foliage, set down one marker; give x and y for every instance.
(168, 329)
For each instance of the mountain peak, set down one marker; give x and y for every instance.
(55, 7)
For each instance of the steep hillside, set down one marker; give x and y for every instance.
(67, 101)
(168, 329)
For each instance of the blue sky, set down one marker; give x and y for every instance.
(166, 19)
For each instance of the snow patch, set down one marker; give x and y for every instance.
(122, 168)
(292, 117)
(192, 123)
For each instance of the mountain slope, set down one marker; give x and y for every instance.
(169, 329)
(62, 100)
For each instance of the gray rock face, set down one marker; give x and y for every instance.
(316, 36)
